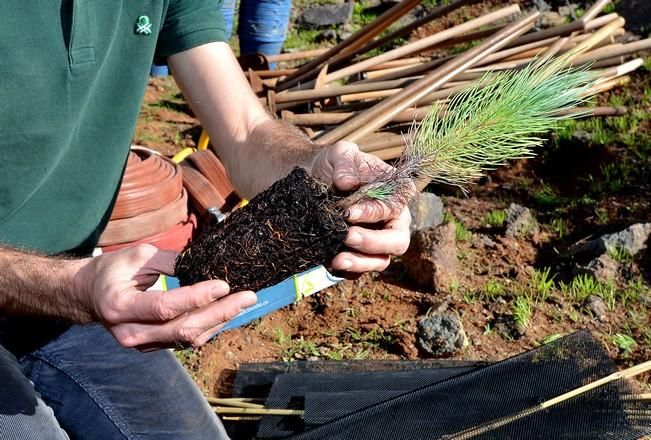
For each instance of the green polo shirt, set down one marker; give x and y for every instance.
(72, 78)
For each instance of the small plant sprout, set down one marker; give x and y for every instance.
(560, 226)
(542, 283)
(522, 310)
(620, 254)
(495, 218)
(497, 119)
(492, 289)
(624, 342)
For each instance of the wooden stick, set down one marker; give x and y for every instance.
(565, 29)
(531, 39)
(423, 43)
(593, 111)
(388, 142)
(369, 120)
(595, 10)
(259, 411)
(621, 70)
(236, 402)
(389, 153)
(624, 374)
(292, 56)
(307, 95)
(406, 30)
(329, 118)
(424, 67)
(241, 418)
(417, 114)
(614, 50)
(358, 39)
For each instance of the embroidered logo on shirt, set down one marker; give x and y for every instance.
(143, 25)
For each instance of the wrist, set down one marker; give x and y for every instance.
(81, 286)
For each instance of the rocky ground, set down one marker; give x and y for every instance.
(537, 249)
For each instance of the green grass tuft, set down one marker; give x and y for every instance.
(625, 343)
(495, 218)
(522, 310)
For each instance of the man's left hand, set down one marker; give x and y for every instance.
(369, 249)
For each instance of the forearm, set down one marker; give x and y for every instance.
(270, 152)
(32, 284)
(255, 148)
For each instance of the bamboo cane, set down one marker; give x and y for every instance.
(573, 41)
(424, 67)
(372, 75)
(284, 72)
(258, 411)
(376, 116)
(423, 43)
(416, 115)
(595, 10)
(614, 50)
(619, 375)
(351, 43)
(369, 95)
(405, 30)
(594, 111)
(387, 141)
(292, 56)
(239, 403)
(241, 418)
(565, 29)
(376, 89)
(470, 36)
(307, 95)
(620, 70)
(389, 153)
(593, 40)
(561, 30)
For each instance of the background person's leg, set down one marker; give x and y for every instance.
(100, 390)
(23, 415)
(263, 26)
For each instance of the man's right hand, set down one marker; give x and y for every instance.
(115, 284)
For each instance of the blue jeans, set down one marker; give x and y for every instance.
(96, 389)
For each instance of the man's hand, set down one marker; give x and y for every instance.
(370, 249)
(116, 282)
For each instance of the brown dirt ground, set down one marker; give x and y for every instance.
(375, 316)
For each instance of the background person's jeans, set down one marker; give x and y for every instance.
(100, 390)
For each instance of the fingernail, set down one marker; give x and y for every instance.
(346, 264)
(346, 214)
(354, 214)
(249, 300)
(354, 239)
(218, 290)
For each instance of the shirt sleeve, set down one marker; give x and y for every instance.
(188, 24)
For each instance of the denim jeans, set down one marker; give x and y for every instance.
(96, 389)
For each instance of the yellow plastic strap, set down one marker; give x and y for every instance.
(204, 140)
(181, 155)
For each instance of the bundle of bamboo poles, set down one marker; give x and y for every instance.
(343, 93)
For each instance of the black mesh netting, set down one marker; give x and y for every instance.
(257, 379)
(497, 401)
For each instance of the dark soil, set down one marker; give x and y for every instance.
(285, 230)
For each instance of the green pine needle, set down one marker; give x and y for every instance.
(499, 118)
(495, 120)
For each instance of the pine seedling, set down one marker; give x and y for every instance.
(499, 118)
